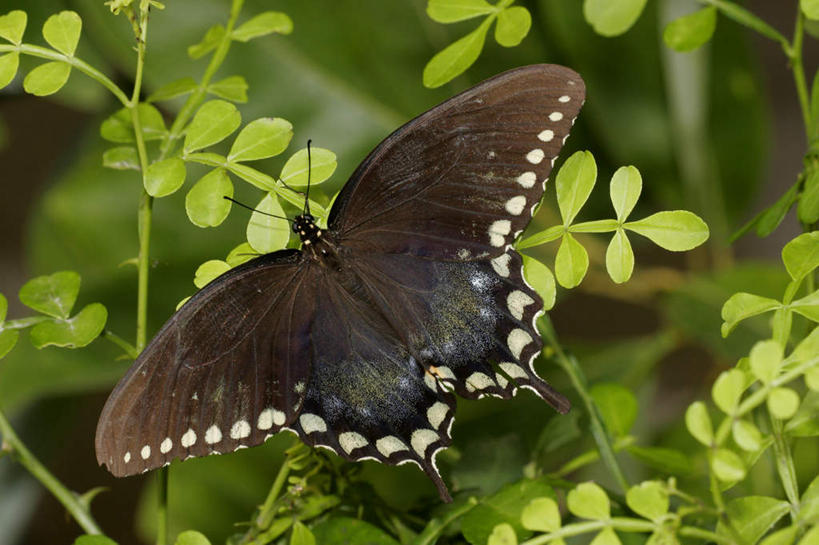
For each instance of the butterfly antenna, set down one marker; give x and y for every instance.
(309, 172)
(243, 205)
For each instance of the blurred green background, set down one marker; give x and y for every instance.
(716, 132)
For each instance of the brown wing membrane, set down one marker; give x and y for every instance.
(461, 181)
(226, 371)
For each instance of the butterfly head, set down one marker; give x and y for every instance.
(305, 226)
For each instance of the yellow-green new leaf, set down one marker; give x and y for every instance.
(205, 203)
(540, 277)
(47, 78)
(191, 537)
(262, 138)
(513, 25)
(783, 402)
(624, 190)
(612, 17)
(589, 501)
(503, 534)
(699, 423)
(620, 258)
(209, 271)
(571, 262)
(744, 305)
(8, 338)
(452, 11)
(265, 23)
(801, 255)
(674, 230)
(232, 88)
(649, 499)
(214, 122)
(13, 25)
(265, 233)
(727, 466)
(691, 31)
(766, 360)
(808, 306)
(746, 435)
(322, 165)
(607, 536)
(454, 59)
(574, 184)
(62, 32)
(208, 43)
(165, 177)
(810, 8)
(728, 389)
(8, 67)
(541, 514)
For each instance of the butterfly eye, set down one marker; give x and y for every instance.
(309, 219)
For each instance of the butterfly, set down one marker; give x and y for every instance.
(360, 341)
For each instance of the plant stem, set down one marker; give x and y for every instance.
(795, 54)
(266, 513)
(68, 499)
(128, 348)
(624, 524)
(598, 427)
(784, 466)
(436, 526)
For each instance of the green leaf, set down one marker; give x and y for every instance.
(542, 515)
(208, 43)
(121, 158)
(119, 128)
(744, 305)
(74, 332)
(624, 190)
(807, 347)
(811, 537)
(503, 534)
(746, 435)
(232, 88)
(801, 255)
(8, 338)
(53, 295)
(807, 306)
(191, 537)
(665, 460)
(8, 67)
(588, 501)
(699, 423)
(540, 277)
(574, 184)
(165, 177)
(455, 58)
(262, 138)
(809, 503)
(267, 234)
(349, 531)
(513, 25)
(689, 32)
(748, 19)
(769, 219)
(620, 257)
(214, 122)
(269, 22)
(13, 25)
(805, 423)
(727, 466)
(62, 32)
(649, 499)
(94, 540)
(242, 253)
(674, 230)
(752, 516)
(452, 11)
(205, 203)
(47, 78)
(4, 308)
(784, 536)
(728, 389)
(765, 360)
(612, 17)
(571, 262)
(174, 89)
(812, 378)
(808, 209)
(322, 165)
(301, 535)
(810, 8)
(783, 402)
(617, 405)
(607, 536)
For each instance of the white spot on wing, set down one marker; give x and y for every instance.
(555, 116)
(127, 457)
(564, 98)
(501, 265)
(517, 341)
(312, 423)
(527, 179)
(535, 156)
(515, 301)
(389, 445)
(437, 413)
(213, 435)
(240, 429)
(513, 369)
(498, 231)
(188, 438)
(145, 452)
(501, 380)
(547, 135)
(478, 381)
(351, 440)
(422, 439)
(515, 205)
(166, 446)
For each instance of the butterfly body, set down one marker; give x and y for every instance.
(360, 341)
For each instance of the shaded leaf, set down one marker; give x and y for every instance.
(574, 184)
(94, 540)
(607, 536)
(691, 31)
(54, 294)
(47, 78)
(231, 88)
(809, 503)
(808, 209)
(752, 516)
(191, 537)
(121, 158)
(617, 405)
(513, 25)
(505, 506)
(174, 89)
(208, 43)
(301, 535)
(571, 262)
(666, 460)
(263, 24)
(213, 122)
(13, 25)
(119, 128)
(727, 466)
(165, 177)
(205, 203)
(62, 32)
(350, 531)
(454, 59)
(452, 11)
(674, 230)
(322, 165)
(262, 138)
(75, 332)
(612, 17)
(4, 308)
(8, 338)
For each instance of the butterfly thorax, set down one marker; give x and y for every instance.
(305, 226)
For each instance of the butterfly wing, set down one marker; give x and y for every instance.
(462, 180)
(226, 371)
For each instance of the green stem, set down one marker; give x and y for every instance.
(128, 348)
(162, 508)
(784, 466)
(435, 527)
(266, 513)
(598, 427)
(68, 499)
(82, 66)
(795, 54)
(22, 323)
(690, 531)
(589, 458)
(624, 524)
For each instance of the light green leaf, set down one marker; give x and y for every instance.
(208, 43)
(542, 515)
(663, 536)
(452, 11)
(807, 348)
(263, 24)
(74, 332)
(54, 294)
(665, 460)
(165, 177)
(617, 405)
(674, 230)
(728, 389)
(540, 277)
(801, 255)
(624, 190)
(784, 536)
(4, 308)
(8, 67)
(264, 233)
(47, 78)
(807, 306)
(174, 89)
(209, 271)
(809, 503)
(808, 209)
(322, 165)
(810, 8)
(783, 402)
(691, 31)
(805, 423)
(118, 127)
(620, 257)
(214, 122)
(121, 158)
(612, 17)
(240, 254)
(13, 25)
(571, 262)
(752, 516)
(8, 338)
(454, 59)
(262, 138)
(232, 88)
(607, 536)
(513, 25)
(205, 203)
(503, 534)
(301, 535)
(574, 184)
(746, 435)
(649, 499)
(744, 305)
(588, 501)
(191, 537)
(699, 423)
(62, 32)
(812, 378)
(94, 540)
(765, 360)
(727, 466)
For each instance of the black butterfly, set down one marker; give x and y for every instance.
(358, 341)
